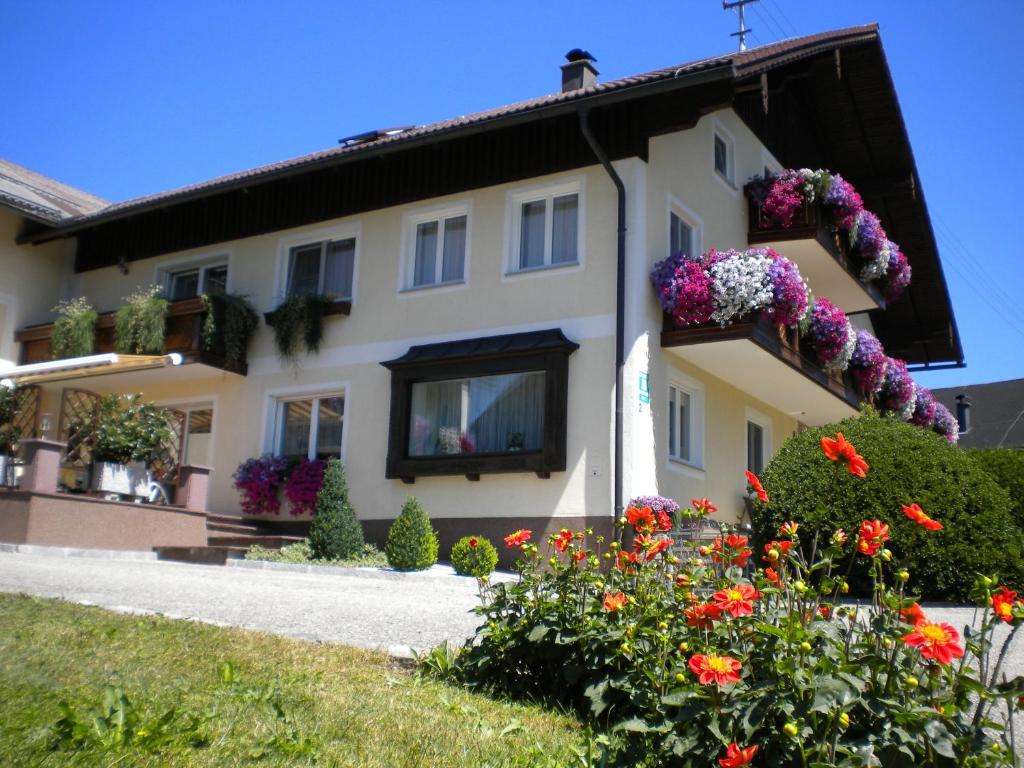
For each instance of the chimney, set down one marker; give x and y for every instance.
(579, 72)
(963, 413)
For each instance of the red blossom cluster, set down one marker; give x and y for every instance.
(731, 549)
(918, 515)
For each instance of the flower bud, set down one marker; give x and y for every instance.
(613, 546)
(790, 729)
(684, 647)
(910, 681)
(607, 555)
(799, 586)
(805, 647)
(887, 642)
(599, 585)
(844, 588)
(844, 721)
(552, 561)
(680, 677)
(887, 555)
(773, 555)
(662, 625)
(622, 520)
(903, 575)
(624, 648)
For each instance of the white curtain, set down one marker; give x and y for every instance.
(454, 256)
(531, 235)
(338, 267)
(563, 234)
(426, 253)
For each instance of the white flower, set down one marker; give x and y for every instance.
(842, 361)
(740, 285)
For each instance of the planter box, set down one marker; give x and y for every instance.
(125, 479)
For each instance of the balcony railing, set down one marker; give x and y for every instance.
(822, 254)
(183, 334)
(741, 355)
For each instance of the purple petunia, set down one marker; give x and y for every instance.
(844, 201)
(897, 275)
(656, 503)
(303, 485)
(945, 423)
(897, 393)
(258, 481)
(924, 407)
(789, 292)
(868, 363)
(832, 336)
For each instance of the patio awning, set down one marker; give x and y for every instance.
(81, 367)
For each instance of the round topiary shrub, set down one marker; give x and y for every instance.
(335, 533)
(474, 556)
(412, 541)
(907, 465)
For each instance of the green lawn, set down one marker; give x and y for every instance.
(281, 702)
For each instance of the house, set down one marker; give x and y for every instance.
(991, 415)
(492, 343)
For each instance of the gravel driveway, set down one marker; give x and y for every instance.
(392, 612)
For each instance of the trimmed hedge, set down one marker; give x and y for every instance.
(474, 556)
(908, 464)
(1006, 467)
(335, 533)
(412, 540)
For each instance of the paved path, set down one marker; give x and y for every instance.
(393, 612)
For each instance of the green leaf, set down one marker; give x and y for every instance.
(940, 738)
(833, 694)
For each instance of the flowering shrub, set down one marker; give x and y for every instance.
(303, 485)
(683, 286)
(945, 423)
(924, 407)
(474, 556)
(691, 664)
(867, 363)
(831, 334)
(258, 480)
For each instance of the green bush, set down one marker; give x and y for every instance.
(1006, 467)
(126, 429)
(9, 432)
(230, 322)
(74, 330)
(907, 465)
(412, 541)
(336, 533)
(300, 553)
(474, 556)
(299, 325)
(139, 324)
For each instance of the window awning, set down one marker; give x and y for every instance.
(81, 367)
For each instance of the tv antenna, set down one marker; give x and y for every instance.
(744, 29)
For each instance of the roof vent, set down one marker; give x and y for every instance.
(579, 72)
(366, 138)
(963, 413)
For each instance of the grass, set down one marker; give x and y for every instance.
(299, 552)
(262, 700)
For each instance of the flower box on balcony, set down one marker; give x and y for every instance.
(821, 252)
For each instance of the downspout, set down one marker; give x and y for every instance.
(620, 301)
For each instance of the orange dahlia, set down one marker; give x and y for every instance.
(936, 642)
(873, 534)
(1002, 603)
(737, 756)
(703, 615)
(641, 518)
(704, 506)
(614, 602)
(756, 486)
(733, 549)
(839, 448)
(918, 515)
(737, 600)
(518, 537)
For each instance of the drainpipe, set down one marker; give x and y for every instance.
(620, 301)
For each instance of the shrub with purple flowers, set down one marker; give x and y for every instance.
(303, 485)
(831, 334)
(259, 481)
(897, 394)
(924, 407)
(867, 363)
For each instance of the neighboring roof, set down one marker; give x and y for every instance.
(42, 198)
(744, 64)
(996, 414)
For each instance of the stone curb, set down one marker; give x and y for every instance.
(96, 554)
(437, 572)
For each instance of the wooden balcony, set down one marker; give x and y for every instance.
(183, 334)
(822, 254)
(770, 364)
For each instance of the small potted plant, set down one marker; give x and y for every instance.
(9, 432)
(123, 440)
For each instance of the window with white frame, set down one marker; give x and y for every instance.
(685, 422)
(309, 427)
(724, 150)
(758, 441)
(325, 268)
(437, 249)
(680, 235)
(189, 282)
(546, 228)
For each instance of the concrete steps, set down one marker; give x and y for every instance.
(199, 555)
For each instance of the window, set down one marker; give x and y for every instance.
(759, 441)
(681, 236)
(546, 228)
(685, 416)
(189, 283)
(198, 436)
(438, 250)
(309, 428)
(483, 414)
(755, 447)
(324, 268)
(496, 404)
(724, 155)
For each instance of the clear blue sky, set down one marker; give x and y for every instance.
(128, 98)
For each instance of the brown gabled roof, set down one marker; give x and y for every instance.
(745, 63)
(42, 198)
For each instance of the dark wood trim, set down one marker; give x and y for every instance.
(335, 308)
(550, 458)
(784, 343)
(184, 335)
